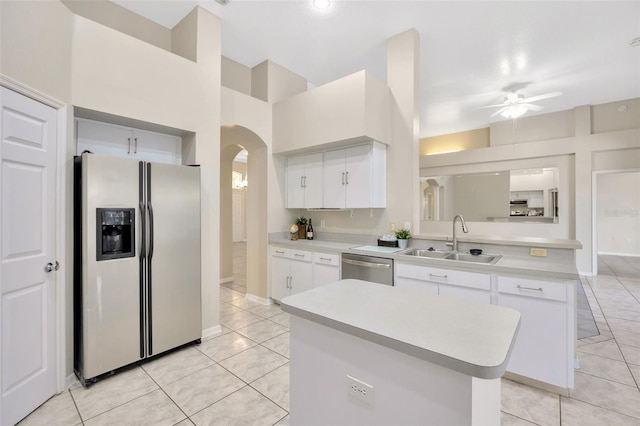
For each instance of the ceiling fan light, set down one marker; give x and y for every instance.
(514, 111)
(322, 4)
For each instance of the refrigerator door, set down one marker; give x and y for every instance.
(110, 292)
(174, 256)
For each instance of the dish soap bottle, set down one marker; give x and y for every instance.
(310, 231)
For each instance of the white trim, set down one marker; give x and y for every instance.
(30, 92)
(226, 280)
(61, 249)
(211, 331)
(618, 254)
(70, 381)
(258, 299)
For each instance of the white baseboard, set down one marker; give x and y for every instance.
(607, 253)
(71, 380)
(211, 331)
(258, 299)
(226, 280)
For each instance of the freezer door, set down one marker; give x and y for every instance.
(110, 322)
(174, 256)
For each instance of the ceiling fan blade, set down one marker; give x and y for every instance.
(532, 107)
(540, 97)
(498, 112)
(493, 106)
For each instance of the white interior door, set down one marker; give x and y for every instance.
(27, 223)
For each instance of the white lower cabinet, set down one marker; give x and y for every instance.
(464, 285)
(291, 271)
(544, 346)
(326, 268)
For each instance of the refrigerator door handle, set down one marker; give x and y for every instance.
(143, 256)
(149, 264)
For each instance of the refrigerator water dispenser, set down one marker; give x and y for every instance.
(115, 233)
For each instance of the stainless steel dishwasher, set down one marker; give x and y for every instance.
(367, 268)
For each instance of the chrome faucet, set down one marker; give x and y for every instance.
(464, 229)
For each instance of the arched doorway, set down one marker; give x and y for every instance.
(233, 139)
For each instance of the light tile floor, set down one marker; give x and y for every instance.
(240, 377)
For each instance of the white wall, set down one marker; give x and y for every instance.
(87, 64)
(618, 213)
(576, 158)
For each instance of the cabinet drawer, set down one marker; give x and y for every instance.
(532, 288)
(301, 255)
(445, 276)
(279, 251)
(326, 259)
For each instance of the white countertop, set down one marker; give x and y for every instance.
(509, 264)
(471, 338)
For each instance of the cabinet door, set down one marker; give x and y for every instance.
(295, 177)
(540, 350)
(279, 277)
(301, 273)
(102, 138)
(358, 177)
(464, 293)
(156, 147)
(313, 181)
(334, 179)
(403, 282)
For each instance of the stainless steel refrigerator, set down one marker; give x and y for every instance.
(137, 281)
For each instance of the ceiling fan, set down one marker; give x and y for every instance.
(516, 105)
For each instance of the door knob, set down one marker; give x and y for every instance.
(51, 266)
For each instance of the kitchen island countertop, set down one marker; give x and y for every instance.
(470, 338)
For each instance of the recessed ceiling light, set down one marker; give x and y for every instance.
(635, 42)
(322, 4)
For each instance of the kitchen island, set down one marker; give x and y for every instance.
(369, 354)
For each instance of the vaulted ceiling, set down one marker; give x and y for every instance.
(472, 53)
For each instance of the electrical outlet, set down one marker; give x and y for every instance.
(541, 252)
(360, 390)
(322, 224)
(407, 225)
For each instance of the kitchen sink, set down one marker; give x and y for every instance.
(475, 258)
(459, 257)
(434, 254)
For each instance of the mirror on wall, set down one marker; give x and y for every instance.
(525, 195)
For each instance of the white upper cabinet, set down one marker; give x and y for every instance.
(355, 177)
(304, 181)
(119, 141)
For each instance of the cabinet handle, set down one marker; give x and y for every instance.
(304, 180)
(288, 282)
(343, 178)
(279, 252)
(438, 276)
(520, 287)
(135, 145)
(298, 255)
(301, 181)
(347, 177)
(129, 146)
(326, 259)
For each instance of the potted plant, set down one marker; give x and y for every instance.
(403, 236)
(302, 227)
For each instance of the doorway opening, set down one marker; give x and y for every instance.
(243, 212)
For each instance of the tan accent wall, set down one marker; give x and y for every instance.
(184, 37)
(460, 141)
(614, 116)
(272, 82)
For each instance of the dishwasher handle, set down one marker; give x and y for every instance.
(367, 264)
